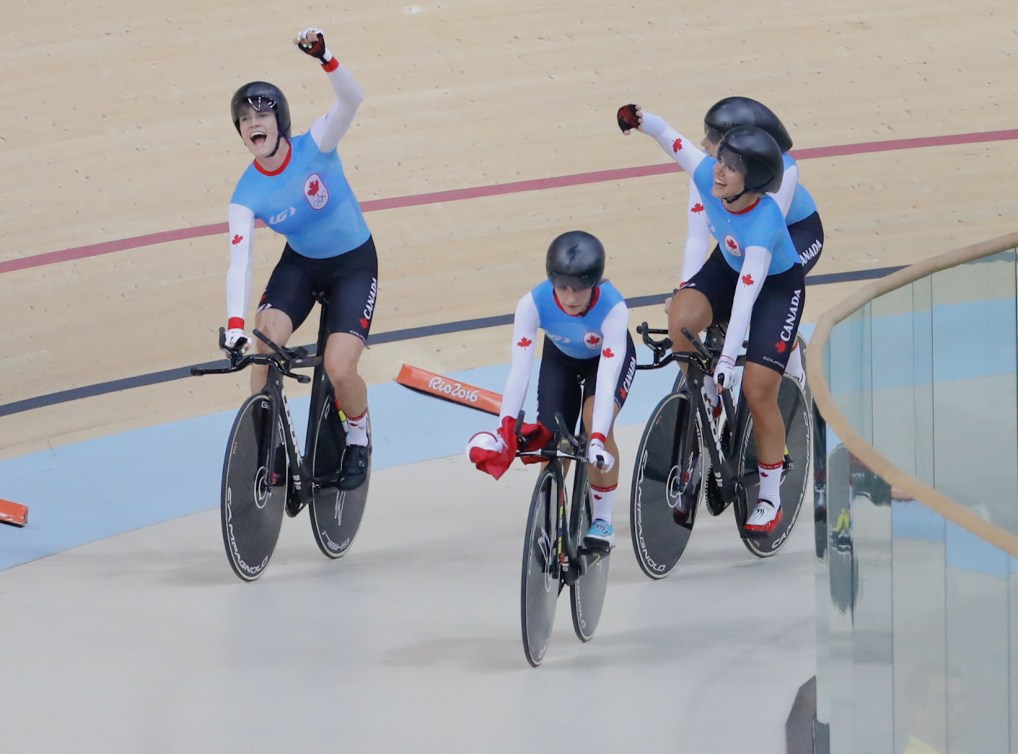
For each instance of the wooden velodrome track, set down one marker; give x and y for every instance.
(118, 160)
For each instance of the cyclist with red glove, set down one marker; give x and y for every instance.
(297, 187)
(588, 363)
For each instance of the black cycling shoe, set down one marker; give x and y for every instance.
(353, 472)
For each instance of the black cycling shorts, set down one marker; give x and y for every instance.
(776, 313)
(349, 283)
(564, 383)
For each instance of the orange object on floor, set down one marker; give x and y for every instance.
(449, 389)
(13, 513)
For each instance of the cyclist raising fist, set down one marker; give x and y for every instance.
(297, 187)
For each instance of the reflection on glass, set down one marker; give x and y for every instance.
(915, 640)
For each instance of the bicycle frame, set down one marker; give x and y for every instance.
(571, 448)
(701, 363)
(280, 362)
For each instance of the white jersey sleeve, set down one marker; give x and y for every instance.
(678, 147)
(238, 276)
(330, 128)
(783, 196)
(614, 330)
(697, 235)
(525, 325)
(747, 289)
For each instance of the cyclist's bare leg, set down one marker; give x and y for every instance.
(278, 327)
(596, 476)
(342, 354)
(760, 387)
(691, 309)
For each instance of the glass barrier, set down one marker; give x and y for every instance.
(917, 575)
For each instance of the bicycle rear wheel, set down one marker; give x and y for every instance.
(253, 492)
(540, 581)
(797, 409)
(335, 514)
(587, 593)
(668, 473)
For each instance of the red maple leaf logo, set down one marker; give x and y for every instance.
(677, 145)
(697, 208)
(607, 353)
(730, 243)
(747, 280)
(237, 239)
(313, 188)
(781, 346)
(524, 342)
(625, 393)
(593, 340)
(365, 322)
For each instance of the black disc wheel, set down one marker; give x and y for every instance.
(797, 410)
(254, 488)
(666, 487)
(588, 591)
(540, 579)
(335, 514)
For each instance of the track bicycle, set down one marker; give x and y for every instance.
(264, 471)
(554, 554)
(686, 455)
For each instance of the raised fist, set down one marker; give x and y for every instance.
(311, 42)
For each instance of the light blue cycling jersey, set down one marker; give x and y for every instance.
(309, 201)
(760, 225)
(581, 337)
(802, 205)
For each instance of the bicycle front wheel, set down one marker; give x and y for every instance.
(540, 583)
(797, 410)
(335, 514)
(253, 492)
(587, 592)
(668, 475)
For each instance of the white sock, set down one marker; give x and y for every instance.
(795, 368)
(357, 429)
(770, 482)
(603, 499)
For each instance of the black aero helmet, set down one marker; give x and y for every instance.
(575, 259)
(262, 96)
(730, 112)
(753, 152)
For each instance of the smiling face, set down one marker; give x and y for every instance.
(729, 180)
(574, 301)
(260, 131)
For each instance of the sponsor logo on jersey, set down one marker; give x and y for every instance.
(279, 217)
(592, 340)
(558, 338)
(315, 191)
(732, 246)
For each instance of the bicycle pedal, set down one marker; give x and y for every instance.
(592, 545)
